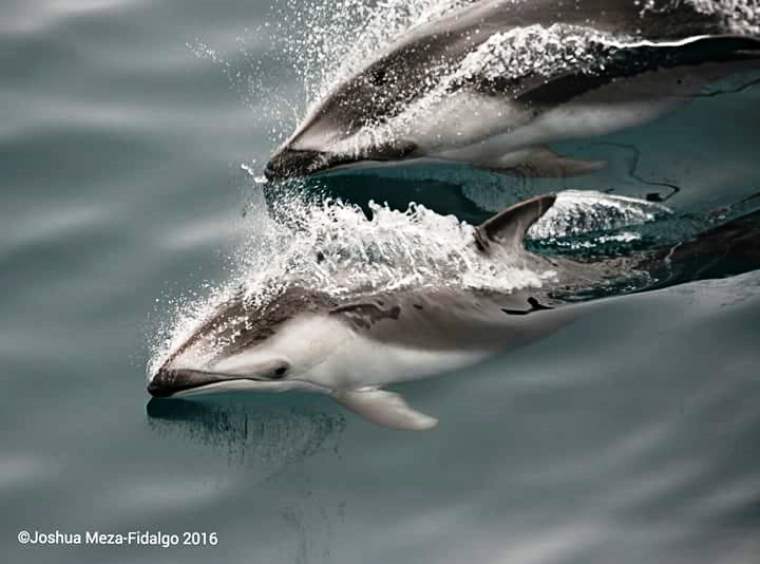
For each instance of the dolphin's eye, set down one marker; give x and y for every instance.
(378, 77)
(279, 372)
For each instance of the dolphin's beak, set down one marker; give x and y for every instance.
(296, 163)
(292, 163)
(168, 382)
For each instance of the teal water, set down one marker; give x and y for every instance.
(630, 436)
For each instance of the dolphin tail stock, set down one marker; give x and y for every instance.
(384, 408)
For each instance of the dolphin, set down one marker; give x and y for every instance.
(351, 347)
(493, 82)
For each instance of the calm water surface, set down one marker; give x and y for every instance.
(632, 436)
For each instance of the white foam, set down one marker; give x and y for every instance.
(576, 212)
(333, 246)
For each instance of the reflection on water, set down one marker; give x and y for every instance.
(253, 430)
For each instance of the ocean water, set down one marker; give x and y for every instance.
(632, 435)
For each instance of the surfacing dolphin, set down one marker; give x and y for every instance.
(495, 81)
(350, 347)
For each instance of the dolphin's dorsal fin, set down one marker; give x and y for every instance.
(508, 227)
(385, 408)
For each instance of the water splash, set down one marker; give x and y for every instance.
(316, 38)
(334, 246)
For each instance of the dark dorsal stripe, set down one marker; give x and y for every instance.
(629, 62)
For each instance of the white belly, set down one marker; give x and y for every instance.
(371, 363)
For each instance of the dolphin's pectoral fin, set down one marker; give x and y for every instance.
(385, 408)
(541, 161)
